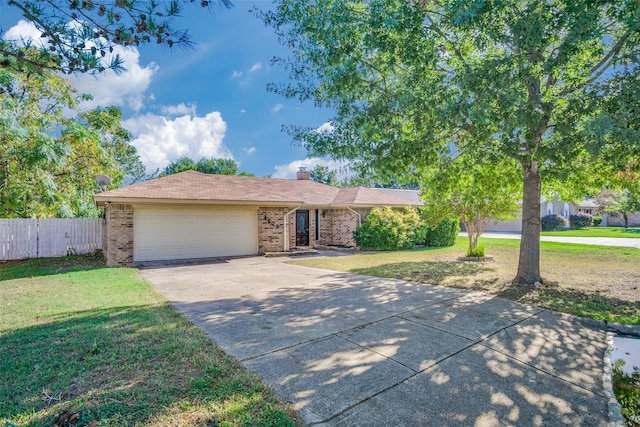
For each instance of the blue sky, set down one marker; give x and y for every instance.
(210, 101)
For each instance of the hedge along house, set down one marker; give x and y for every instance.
(195, 215)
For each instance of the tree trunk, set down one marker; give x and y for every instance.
(529, 261)
(468, 225)
(626, 220)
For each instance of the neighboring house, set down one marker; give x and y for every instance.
(589, 207)
(196, 215)
(549, 207)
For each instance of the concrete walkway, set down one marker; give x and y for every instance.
(602, 241)
(351, 350)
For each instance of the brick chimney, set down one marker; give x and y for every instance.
(303, 174)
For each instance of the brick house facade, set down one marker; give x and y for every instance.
(187, 205)
(118, 241)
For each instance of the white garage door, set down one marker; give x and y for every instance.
(163, 233)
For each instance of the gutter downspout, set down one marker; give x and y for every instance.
(287, 244)
(357, 214)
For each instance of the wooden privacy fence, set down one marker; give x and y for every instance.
(42, 238)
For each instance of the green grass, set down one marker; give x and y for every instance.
(102, 342)
(631, 232)
(598, 282)
(627, 390)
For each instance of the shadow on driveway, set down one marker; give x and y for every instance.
(351, 350)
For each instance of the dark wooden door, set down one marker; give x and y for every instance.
(302, 228)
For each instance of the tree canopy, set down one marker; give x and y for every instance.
(475, 192)
(624, 203)
(548, 84)
(324, 174)
(211, 166)
(51, 151)
(79, 34)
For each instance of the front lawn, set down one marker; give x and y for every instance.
(590, 281)
(631, 232)
(92, 346)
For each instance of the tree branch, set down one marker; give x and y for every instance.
(602, 66)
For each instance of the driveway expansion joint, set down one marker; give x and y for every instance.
(420, 340)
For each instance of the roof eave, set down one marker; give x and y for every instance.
(101, 202)
(374, 205)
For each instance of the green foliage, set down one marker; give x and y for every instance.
(580, 220)
(98, 26)
(627, 390)
(476, 192)
(553, 223)
(478, 251)
(387, 229)
(52, 150)
(624, 202)
(443, 234)
(552, 85)
(597, 220)
(211, 166)
(324, 174)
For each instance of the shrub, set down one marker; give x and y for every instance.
(553, 223)
(387, 229)
(580, 221)
(478, 251)
(627, 392)
(597, 220)
(443, 234)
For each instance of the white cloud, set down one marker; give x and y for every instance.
(325, 128)
(23, 32)
(128, 87)
(249, 151)
(290, 170)
(160, 141)
(245, 78)
(276, 108)
(107, 88)
(180, 109)
(255, 67)
(243, 111)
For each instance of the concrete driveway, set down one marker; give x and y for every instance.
(351, 350)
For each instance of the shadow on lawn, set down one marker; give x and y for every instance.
(36, 267)
(432, 272)
(592, 305)
(123, 366)
(635, 230)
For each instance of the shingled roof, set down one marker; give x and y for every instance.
(196, 187)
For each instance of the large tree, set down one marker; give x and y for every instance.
(205, 165)
(51, 150)
(80, 33)
(541, 82)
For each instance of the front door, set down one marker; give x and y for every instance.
(302, 228)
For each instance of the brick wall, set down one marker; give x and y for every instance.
(325, 227)
(617, 220)
(271, 229)
(364, 213)
(344, 224)
(337, 226)
(119, 235)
